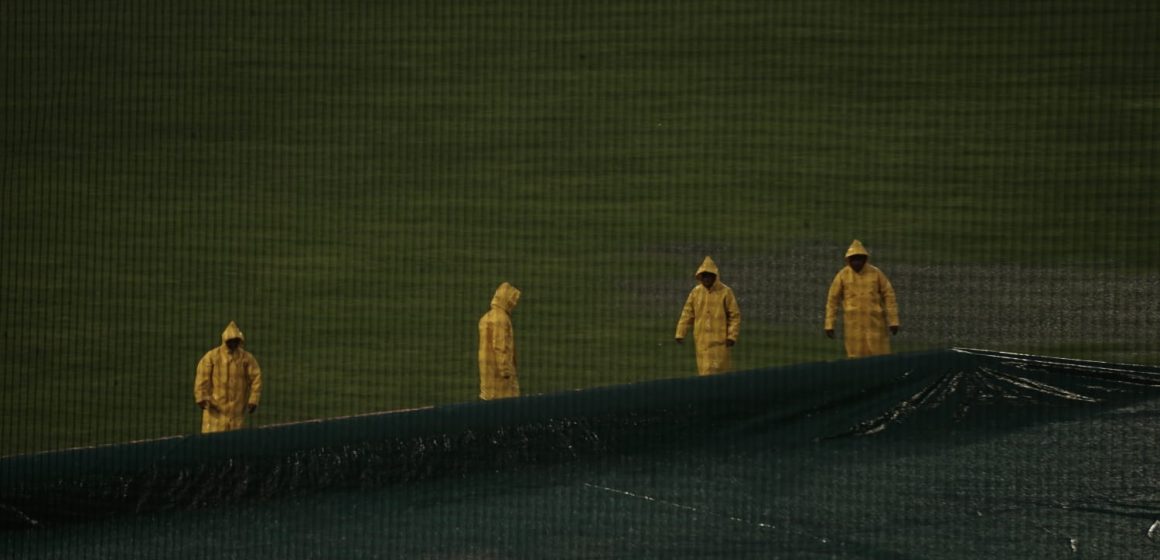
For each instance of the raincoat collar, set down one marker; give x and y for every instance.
(506, 297)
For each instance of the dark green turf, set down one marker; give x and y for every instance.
(349, 181)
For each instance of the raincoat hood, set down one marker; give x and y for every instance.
(708, 266)
(506, 297)
(855, 249)
(232, 331)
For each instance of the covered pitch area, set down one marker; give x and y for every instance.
(949, 454)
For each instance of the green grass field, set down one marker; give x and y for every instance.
(350, 181)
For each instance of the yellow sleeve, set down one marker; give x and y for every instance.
(203, 381)
(688, 315)
(888, 300)
(254, 373)
(732, 316)
(505, 350)
(833, 300)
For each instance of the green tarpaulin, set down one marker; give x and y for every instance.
(948, 454)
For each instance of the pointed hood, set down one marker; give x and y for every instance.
(232, 331)
(856, 248)
(506, 297)
(708, 266)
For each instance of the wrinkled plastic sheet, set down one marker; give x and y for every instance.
(948, 454)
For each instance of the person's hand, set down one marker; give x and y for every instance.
(729, 342)
(207, 405)
(680, 340)
(251, 408)
(893, 329)
(202, 404)
(829, 333)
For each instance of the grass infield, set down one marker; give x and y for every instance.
(350, 181)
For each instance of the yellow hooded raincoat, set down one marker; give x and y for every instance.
(868, 305)
(715, 316)
(497, 347)
(228, 382)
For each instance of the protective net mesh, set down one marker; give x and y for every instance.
(350, 182)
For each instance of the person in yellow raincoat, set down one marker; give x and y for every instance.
(712, 310)
(497, 347)
(870, 310)
(228, 383)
